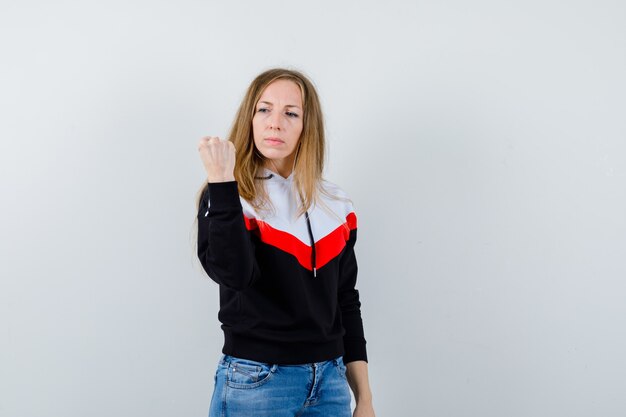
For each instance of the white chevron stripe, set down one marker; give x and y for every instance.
(283, 197)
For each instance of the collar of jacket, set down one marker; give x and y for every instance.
(272, 177)
(269, 175)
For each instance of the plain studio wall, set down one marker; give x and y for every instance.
(483, 144)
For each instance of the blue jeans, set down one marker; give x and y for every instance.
(247, 388)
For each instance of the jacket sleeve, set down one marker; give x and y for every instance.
(225, 248)
(350, 305)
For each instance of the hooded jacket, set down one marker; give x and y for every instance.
(286, 283)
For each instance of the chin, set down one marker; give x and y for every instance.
(275, 154)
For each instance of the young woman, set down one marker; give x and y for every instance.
(279, 240)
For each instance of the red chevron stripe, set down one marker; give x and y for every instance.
(326, 248)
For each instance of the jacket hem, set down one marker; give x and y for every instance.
(285, 353)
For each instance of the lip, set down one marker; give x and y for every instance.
(274, 140)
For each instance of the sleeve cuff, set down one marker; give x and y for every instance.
(224, 195)
(354, 350)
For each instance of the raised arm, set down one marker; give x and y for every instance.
(225, 247)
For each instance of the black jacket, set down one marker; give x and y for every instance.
(287, 284)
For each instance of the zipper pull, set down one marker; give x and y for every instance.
(314, 272)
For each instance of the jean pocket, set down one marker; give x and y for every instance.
(246, 373)
(341, 367)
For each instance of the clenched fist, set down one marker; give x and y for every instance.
(218, 157)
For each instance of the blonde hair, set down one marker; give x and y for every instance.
(310, 152)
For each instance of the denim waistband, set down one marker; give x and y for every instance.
(225, 358)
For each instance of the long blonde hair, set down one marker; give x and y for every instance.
(310, 152)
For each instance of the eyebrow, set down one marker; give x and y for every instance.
(288, 105)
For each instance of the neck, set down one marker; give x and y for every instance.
(283, 167)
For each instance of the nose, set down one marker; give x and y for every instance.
(273, 120)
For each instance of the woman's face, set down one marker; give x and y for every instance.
(277, 122)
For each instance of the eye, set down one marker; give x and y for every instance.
(292, 114)
(262, 110)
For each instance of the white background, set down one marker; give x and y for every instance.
(483, 144)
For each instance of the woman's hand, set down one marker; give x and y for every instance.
(218, 157)
(356, 373)
(364, 409)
